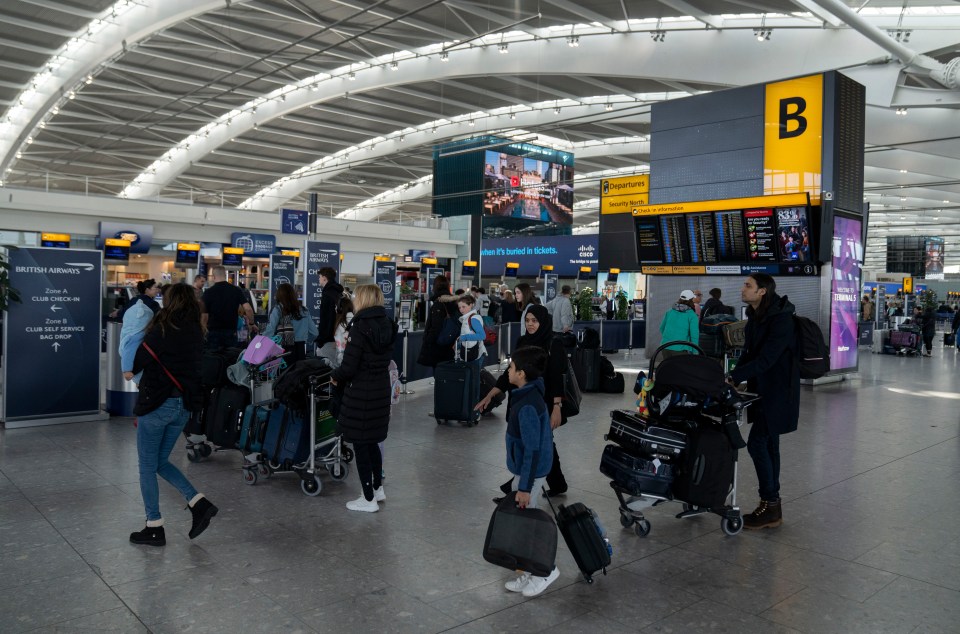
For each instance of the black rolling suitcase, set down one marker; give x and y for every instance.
(637, 435)
(585, 537)
(636, 475)
(223, 414)
(586, 367)
(487, 383)
(456, 391)
(704, 477)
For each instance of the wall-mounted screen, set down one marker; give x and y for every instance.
(585, 274)
(793, 234)
(847, 260)
(188, 254)
(731, 238)
(469, 269)
(933, 259)
(511, 269)
(232, 257)
(116, 250)
(55, 240)
(527, 188)
(565, 253)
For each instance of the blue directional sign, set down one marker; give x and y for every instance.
(385, 276)
(315, 256)
(52, 349)
(294, 221)
(283, 270)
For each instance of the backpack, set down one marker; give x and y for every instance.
(714, 323)
(589, 339)
(813, 355)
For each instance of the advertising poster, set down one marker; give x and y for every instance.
(317, 255)
(283, 270)
(566, 253)
(761, 238)
(52, 339)
(793, 234)
(845, 292)
(933, 259)
(385, 276)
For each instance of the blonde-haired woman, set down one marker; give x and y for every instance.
(364, 378)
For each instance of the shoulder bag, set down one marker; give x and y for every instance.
(570, 406)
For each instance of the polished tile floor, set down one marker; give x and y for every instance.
(869, 544)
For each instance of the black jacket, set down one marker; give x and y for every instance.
(431, 353)
(770, 368)
(552, 380)
(364, 376)
(928, 323)
(180, 351)
(509, 312)
(329, 298)
(714, 306)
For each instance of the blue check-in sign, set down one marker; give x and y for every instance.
(295, 221)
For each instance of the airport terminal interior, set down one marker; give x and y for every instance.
(634, 151)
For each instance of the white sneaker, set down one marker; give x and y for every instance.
(363, 504)
(537, 585)
(379, 495)
(518, 584)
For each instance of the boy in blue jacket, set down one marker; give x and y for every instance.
(529, 446)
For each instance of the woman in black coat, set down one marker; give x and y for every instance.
(770, 368)
(364, 377)
(539, 333)
(443, 304)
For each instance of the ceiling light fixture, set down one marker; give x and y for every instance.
(902, 112)
(573, 41)
(513, 115)
(352, 76)
(504, 49)
(88, 80)
(903, 171)
(444, 56)
(471, 123)
(608, 107)
(658, 35)
(394, 66)
(556, 111)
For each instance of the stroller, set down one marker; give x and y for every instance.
(682, 446)
(907, 340)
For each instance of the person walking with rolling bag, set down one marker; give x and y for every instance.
(169, 359)
(443, 306)
(770, 366)
(539, 334)
(291, 320)
(364, 379)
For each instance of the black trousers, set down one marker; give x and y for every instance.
(556, 483)
(369, 466)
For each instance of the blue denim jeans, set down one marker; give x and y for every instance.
(764, 447)
(157, 433)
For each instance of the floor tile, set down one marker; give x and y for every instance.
(132, 562)
(27, 606)
(387, 610)
(39, 564)
(119, 620)
(816, 611)
(748, 590)
(712, 616)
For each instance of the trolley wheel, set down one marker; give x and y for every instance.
(274, 466)
(346, 453)
(731, 525)
(206, 450)
(642, 528)
(587, 578)
(626, 520)
(250, 476)
(344, 471)
(311, 487)
(193, 454)
(265, 471)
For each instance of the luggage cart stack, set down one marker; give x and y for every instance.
(683, 448)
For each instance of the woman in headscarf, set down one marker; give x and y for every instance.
(539, 333)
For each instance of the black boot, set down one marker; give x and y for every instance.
(767, 515)
(149, 536)
(202, 511)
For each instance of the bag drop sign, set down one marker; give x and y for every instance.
(52, 339)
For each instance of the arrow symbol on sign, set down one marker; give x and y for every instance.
(56, 346)
(55, 308)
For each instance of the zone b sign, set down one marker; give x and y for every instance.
(793, 137)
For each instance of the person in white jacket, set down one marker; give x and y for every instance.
(561, 310)
(472, 333)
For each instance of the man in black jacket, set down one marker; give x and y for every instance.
(332, 292)
(770, 368)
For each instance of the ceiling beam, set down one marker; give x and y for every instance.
(586, 14)
(685, 8)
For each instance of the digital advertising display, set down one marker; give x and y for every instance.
(933, 259)
(794, 234)
(847, 260)
(527, 188)
(566, 253)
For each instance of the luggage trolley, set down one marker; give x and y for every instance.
(681, 401)
(329, 450)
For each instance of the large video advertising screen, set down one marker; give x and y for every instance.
(753, 237)
(527, 188)
(847, 260)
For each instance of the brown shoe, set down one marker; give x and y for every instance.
(767, 515)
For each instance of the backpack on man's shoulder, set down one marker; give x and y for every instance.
(813, 354)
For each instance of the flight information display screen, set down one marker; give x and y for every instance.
(731, 239)
(703, 240)
(674, 232)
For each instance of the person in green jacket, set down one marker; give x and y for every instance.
(680, 324)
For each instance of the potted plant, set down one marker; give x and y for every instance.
(584, 304)
(8, 294)
(927, 299)
(621, 304)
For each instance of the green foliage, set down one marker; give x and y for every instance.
(8, 294)
(406, 290)
(621, 305)
(583, 305)
(927, 299)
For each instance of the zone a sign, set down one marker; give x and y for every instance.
(793, 137)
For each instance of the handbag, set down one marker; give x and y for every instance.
(449, 332)
(570, 406)
(524, 539)
(261, 350)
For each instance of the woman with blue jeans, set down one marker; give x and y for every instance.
(169, 359)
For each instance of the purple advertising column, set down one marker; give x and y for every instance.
(845, 292)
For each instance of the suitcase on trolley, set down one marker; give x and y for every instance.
(704, 477)
(287, 439)
(585, 537)
(256, 421)
(637, 475)
(456, 391)
(223, 414)
(637, 435)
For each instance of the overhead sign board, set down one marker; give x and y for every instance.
(317, 255)
(294, 221)
(622, 195)
(254, 245)
(283, 270)
(385, 276)
(139, 236)
(793, 137)
(783, 200)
